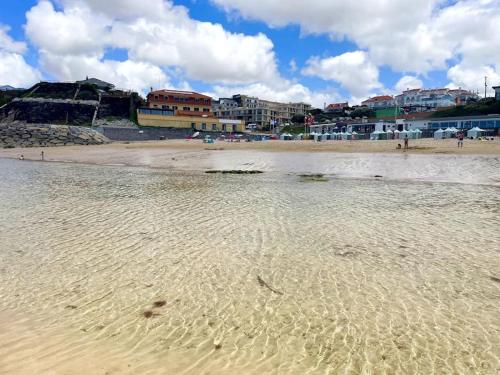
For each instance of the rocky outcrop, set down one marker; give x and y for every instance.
(17, 134)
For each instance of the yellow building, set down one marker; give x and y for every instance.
(165, 118)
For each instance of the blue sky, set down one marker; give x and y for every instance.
(337, 53)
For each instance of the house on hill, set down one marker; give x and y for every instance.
(102, 85)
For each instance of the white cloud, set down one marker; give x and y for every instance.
(14, 70)
(139, 76)
(352, 70)
(408, 82)
(407, 35)
(160, 34)
(472, 78)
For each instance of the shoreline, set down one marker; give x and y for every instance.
(358, 159)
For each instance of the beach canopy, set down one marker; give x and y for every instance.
(439, 134)
(475, 132)
(448, 132)
(376, 135)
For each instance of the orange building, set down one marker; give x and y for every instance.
(184, 110)
(183, 103)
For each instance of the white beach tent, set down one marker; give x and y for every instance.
(475, 132)
(375, 136)
(354, 135)
(325, 137)
(346, 136)
(439, 134)
(412, 134)
(286, 137)
(403, 134)
(449, 132)
(418, 133)
(396, 134)
(299, 137)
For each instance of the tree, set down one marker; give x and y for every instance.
(298, 119)
(363, 112)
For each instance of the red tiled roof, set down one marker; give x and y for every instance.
(378, 98)
(337, 105)
(181, 93)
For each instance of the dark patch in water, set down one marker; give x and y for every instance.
(495, 279)
(159, 303)
(313, 177)
(149, 314)
(237, 171)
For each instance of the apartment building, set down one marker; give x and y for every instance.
(253, 110)
(431, 99)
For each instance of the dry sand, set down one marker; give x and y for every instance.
(178, 153)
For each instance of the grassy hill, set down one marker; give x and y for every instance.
(486, 106)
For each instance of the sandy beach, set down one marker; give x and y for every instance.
(189, 153)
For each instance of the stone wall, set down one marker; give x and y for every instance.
(53, 111)
(18, 134)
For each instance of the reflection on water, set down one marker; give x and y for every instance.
(259, 274)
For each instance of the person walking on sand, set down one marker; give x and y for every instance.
(460, 142)
(406, 142)
(43, 156)
(21, 157)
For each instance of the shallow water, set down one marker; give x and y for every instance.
(357, 275)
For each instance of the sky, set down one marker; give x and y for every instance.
(315, 51)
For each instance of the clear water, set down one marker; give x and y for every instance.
(356, 275)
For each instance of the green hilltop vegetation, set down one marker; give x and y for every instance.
(487, 106)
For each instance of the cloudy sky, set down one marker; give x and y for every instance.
(289, 50)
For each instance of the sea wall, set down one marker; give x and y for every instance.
(18, 134)
(53, 111)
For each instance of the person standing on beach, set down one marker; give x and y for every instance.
(406, 142)
(460, 137)
(43, 156)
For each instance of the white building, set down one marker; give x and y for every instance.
(379, 102)
(428, 99)
(497, 92)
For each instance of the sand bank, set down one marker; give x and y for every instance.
(189, 153)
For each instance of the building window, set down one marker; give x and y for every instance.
(223, 127)
(203, 126)
(186, 108)
(156, 97)
(234, 128)
(214, 126)
(193, 126)
(197, 110)
(206, 110)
